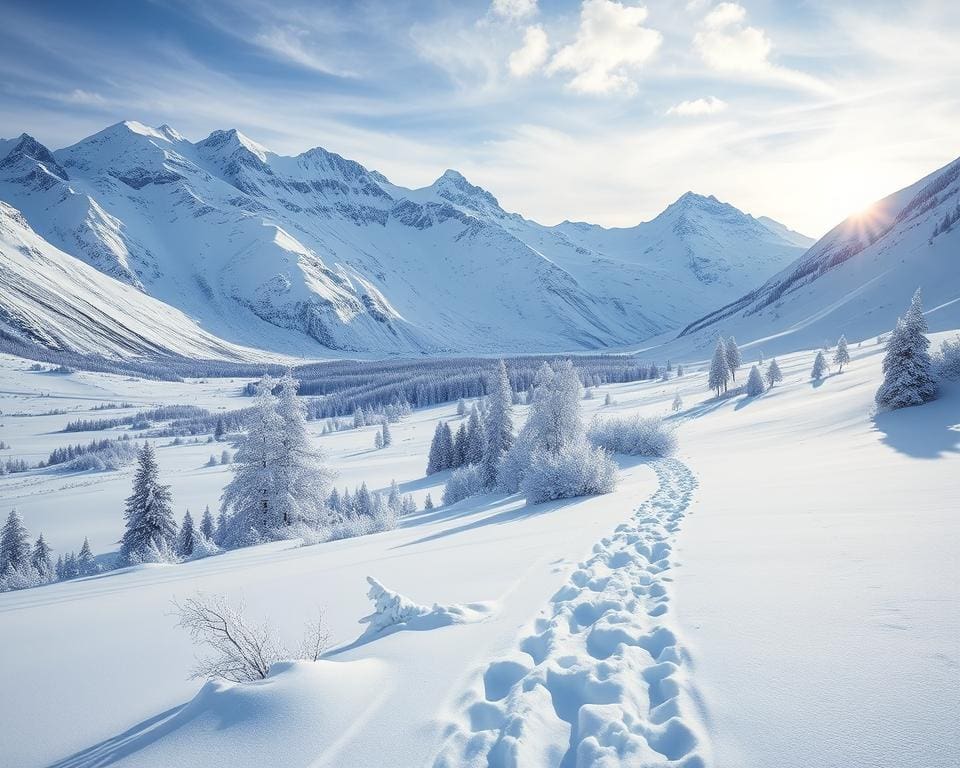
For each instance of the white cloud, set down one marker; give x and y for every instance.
(727, 44)
(514, 9)
(86, 98)
(610, 43)
(532, 55)
(698, 107)
(291, 43)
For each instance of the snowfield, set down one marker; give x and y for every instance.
(784, 592)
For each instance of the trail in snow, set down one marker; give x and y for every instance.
(600, 681)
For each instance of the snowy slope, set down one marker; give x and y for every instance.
(809, 598)
(860, 275)
(50, 297)
(248, 243)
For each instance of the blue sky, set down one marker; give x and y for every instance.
(583, 109)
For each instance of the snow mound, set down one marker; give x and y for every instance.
(600, 681)
(295, 715)
(392, 611)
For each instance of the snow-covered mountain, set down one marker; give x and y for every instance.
(316, 253)
(860, 276)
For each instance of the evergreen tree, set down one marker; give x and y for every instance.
(679, 371)
(428, 503)
(335, 504)
(58, 568)
(461, 407)
(448, 455)
(773, 373)
(149, 512)
(359, 419)
(40, 559)
(907, 367)
(476, 445)
(218, 430)
(302, 477)
(555, 419)
(719, 369)
(677, 402)
(378, 440)
(819, 366)
(393, 498)
(755, 382)
(435, 459)
(187, 538)
(460, 447)
(363, 502)
(14, 545)
(734, 358)
(70, 568)
(206, 524)
(85, 563)
(387, 437)
(251, 495)
(841, 356)
(222, 534)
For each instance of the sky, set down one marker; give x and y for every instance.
(587, 110)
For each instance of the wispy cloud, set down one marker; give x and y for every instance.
(514, 9)
(293, 44)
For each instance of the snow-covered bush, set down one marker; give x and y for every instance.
(465, 481)
(578, 469)
(202, 546)
(947, 360)
(633, 435)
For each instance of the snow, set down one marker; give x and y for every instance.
(798, 608)
(304, 255)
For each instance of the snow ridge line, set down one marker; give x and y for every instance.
(600, 681)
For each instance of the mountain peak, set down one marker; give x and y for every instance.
(454, 187)
(28, 147)
(230, 141)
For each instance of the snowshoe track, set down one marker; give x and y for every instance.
(600, 680)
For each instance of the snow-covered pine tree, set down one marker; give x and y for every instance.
(187, 537)
(677, 402)
(842, 356)
(149, 511)
(218, 430)
(212, 461)
(476, 444)
(394, 499)
(206, 524)
(362, 501)
(907, 367)
(448, 453)
(222, 533)
(460, 447)
(773, 373)
(461, 407)
(679, 371)
(58, 568)
(85, 563)
(14, 544)
(734, 358)
(40, 559)
(359, 419)
(407, 506)
(719, 369)
(378, 439)
(755, 382)
(498, 424)
(819, 366)
(302, 477)
(251, 495)
(428, 503)
(387, 438)
(434, 459)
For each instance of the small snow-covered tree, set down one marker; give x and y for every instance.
(225, 457)
(448, 452)
(907, 366)
(387, 438)
(755, 382)
(206, 524)
(212, 461)
(461, 407)
(378, 439)
(40, 559)
(608, 400)
(679, 371)
(435, 458)
(149, 511)
(734, 358)
(187, 536)
(773, 373)
(86, 566)
(499, 423)
(819, 366)
(14, 544)
(842, 356)
(218, 430)
(428, 503)
(476, 444)
(719, 368)
(359, 419)
(394, 499)
(677, 402)
(460, 447)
